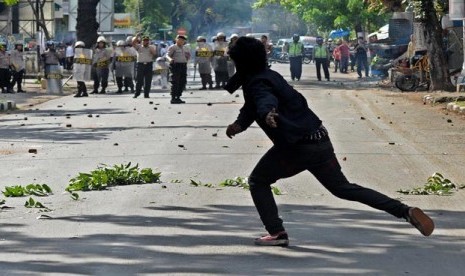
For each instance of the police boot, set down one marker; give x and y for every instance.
(103, 91)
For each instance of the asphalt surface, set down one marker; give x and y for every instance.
(383, 139)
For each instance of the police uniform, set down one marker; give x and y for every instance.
(124, 60)
(50, 57)
(321, 57)
(101, 64)
(203, 58)
(178, 55)
(5, 74)
(18, 65)
(295, 52)
(145, 57)
(82, 68)
(220, 61)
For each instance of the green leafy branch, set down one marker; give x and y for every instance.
(31, 203)
(436, 184)
(104, 177)
(242, 182)
(31, 189)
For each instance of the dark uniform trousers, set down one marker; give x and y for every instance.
(322, 62)
(18, 79)
(5, 77)
(82, 89)
(100, 76)
(126, 82)
(144, 77)
(178, 79)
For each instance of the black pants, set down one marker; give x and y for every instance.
(296, 67)
(206, 79)
(320, 160)
(322, 62)
(82, 89)
(144, 77)
(126, 82)
(5, 79)
(178, 79)
(100, 77)
(18, 79)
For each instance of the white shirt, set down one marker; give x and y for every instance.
(69, 51)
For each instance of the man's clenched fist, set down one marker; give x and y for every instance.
(233, 129)
(272, 118)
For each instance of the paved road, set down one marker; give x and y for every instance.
(181, 229)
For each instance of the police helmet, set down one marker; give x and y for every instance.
(319, 40)
(145, 37)
(201, 38)
(19, 42)
(214, 38)
(101, 39)
(121, 43)
(233, 36)
(129, 39)
(296, 37)
(80, 44)
(220, 34)
(50, 43)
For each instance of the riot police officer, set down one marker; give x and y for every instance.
(5, 74)
(178, 56)
(101, 63)
(203, 59)
(18, 65)
(123, 64)
(82, 67)
(50, 57)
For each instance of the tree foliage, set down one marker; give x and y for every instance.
(196, 16)
(327, 15)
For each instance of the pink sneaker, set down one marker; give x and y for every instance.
(278, 239)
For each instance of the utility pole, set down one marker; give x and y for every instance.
(38, 36)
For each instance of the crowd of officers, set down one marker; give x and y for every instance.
(135, 59)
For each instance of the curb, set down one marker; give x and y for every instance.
(450, 102)
(8, 105)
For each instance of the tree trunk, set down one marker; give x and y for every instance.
(39, 16)
(439, 72)
(86, 23)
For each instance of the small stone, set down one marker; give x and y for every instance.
(155, 108)
(209, 104)
(163, 186)
(90, 115)
(237, 96)
(344, 159)
(449, 120)
(392, 103)
(34, 151)
(59, 106)
(150, 102)
(97, 116)
(115, 144)
(181, 146)
(152, 123)
(362, 118)
(85, 104)
(392, 143)
(215, 134)
(68, 125)
(179, 112)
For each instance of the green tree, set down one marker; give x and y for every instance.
(326, 15)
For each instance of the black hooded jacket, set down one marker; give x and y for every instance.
(265, 91)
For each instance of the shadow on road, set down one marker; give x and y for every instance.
(217, 239)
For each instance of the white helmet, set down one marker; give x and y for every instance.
(101, 39)
(129, 39)
(19, 42)
(200, 37)
(220, 34)
(80, 44)
(233, 36)
(121, 43)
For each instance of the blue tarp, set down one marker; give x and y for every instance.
(339, 33)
